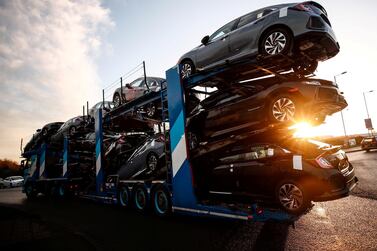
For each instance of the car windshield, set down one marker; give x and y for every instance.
(137, 82)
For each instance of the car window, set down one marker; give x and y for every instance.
(253, 153)
(137, 82)
(251, 17)
(152, 82)
(222, 31)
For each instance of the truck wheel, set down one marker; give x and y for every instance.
(61, 191)
(161, 201)
(124, 197)
(140, 198)
(29, 191)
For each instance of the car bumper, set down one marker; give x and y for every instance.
(338, 193)
(319, 45)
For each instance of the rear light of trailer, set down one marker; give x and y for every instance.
(324, 163)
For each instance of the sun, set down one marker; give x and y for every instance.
(303, 130)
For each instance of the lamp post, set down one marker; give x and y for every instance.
(366, 108)
(365, 101)
(341, 112)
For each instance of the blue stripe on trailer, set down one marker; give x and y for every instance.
(33, 169)
(42, 161)
(65, 157)
(183, 192)
(99, 140)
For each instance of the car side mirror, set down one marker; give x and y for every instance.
(128, 86)
(38, 130)
(205, 40)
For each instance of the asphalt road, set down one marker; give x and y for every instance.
(346, 224)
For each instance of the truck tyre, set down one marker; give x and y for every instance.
(140, 198)
(124, 197)
(30, 191)
(60, 191)
(161, 201)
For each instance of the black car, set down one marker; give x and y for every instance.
(72, 127)
(290, 173)
(254, 105)
(369, 143)
(296, 28)
(41, 135)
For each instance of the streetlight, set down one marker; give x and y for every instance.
(341, 112)
(366, 108)
(365, 101)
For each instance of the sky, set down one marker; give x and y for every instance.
(56, 55)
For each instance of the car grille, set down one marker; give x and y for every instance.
(326, 94)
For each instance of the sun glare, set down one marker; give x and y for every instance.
(303, 130)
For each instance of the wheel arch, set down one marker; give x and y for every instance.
(269, 28)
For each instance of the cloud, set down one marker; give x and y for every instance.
(47, 63)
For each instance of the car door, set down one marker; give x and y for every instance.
(217, 48)
(244, 41)
(258, 170)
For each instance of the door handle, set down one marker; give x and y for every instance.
(224, 38)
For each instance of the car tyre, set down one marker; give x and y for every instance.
(152, 162)
(72, 130)
(161, 201)
(187, 68)
(140, 198)
(292, 197)
(283, 108)
(124, 197)
(116, 100)
(150, 110)
(276, 41)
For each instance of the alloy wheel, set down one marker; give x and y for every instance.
(116, 101)
(275, 43)
(283, 109)
(151, 109)
(152, 162)
(290, 196)
(186, 70)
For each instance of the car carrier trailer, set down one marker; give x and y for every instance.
(176, 192)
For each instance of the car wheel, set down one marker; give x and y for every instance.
(276, 41)
(194, 140)
(140, 198)
(116, 100)
(150, 110)
(161, 201)
(72, 130)
(187, 69)
(124, 197)
(44, 132)
(292, 197)
(367, 150)
(282, 109)
(152, 162)
(306, 68)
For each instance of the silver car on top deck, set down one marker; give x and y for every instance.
(302, 30)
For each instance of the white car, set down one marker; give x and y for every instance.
(13, 181)
(2, 185)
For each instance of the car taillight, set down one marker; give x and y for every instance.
(121, 141)
(324, 163)
(301, 7)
